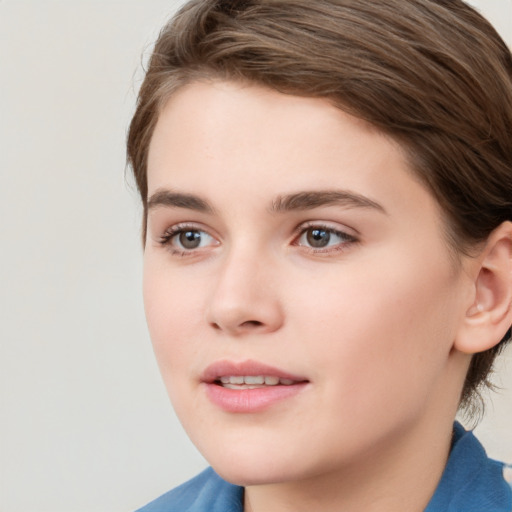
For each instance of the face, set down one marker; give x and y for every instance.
(299, 291)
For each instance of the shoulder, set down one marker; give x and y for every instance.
(507, 474)
(472, 482)
(207, 492)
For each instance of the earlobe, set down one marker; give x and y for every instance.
(489, 317)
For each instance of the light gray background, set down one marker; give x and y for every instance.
(85, 422)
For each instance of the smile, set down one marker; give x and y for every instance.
(249, 386)
(252, 381)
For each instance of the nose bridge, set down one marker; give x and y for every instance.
(245, 297)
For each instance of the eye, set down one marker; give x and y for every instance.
(185, 239)
(190, 239)
(323, 237)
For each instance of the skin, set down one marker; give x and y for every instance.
(371, 320)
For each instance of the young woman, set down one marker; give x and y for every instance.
(327, 192)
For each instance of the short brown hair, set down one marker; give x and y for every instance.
(433, 74)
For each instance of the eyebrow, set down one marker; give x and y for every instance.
(305, 200)
(170, 199)
(309, 200)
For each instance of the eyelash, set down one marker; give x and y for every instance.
(345, 239)
(173, 232)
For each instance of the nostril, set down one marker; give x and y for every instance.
(252, 323)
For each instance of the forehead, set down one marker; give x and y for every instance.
(232, 127)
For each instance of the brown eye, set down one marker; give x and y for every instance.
(323, 237)
(318, 238)
(189, 239)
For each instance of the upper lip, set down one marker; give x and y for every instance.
(230, 368)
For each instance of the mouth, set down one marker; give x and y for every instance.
(253, 381)
(249, 387)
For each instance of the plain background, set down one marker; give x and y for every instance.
(85, 422)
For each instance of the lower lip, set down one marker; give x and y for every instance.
(251, 400)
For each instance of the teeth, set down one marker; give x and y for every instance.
(242, 386)
(259, 379)
(253, 380)
(271, 381)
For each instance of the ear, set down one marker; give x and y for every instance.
(489, 317)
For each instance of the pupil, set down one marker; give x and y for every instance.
(190, 239)
(318, 237)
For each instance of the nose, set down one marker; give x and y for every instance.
(245, 299)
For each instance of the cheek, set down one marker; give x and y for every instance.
(381, 334)
(172, 312)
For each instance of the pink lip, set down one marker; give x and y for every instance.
(248, 400)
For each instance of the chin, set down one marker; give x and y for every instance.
(248, 464)
(245, 474)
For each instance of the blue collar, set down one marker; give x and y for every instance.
(471, 482)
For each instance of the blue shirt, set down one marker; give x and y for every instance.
(471, 482)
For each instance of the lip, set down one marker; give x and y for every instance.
(248, 400)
